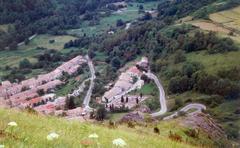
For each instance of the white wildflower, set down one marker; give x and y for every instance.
(2, 146)
(93, 136)
(119, 142)
(12, 124)
(52, 136)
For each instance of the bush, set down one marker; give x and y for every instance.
(232, 131)
(119, 23)
(152, 103)
(101, 113)
(156, 130)
(175, 137)
(131, 124)
(189, 68)
(194, 133)
(25, 63)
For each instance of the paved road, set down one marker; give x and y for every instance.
(89, 92)
(198, 107)
(30, 38)
(162, 97)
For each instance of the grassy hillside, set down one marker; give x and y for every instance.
(32, 131)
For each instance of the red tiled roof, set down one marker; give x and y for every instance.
(134, 69)
(35, 100)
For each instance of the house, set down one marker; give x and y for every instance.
(134, 71)
(143, 64)
(27, 89)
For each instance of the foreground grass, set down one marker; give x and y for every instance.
(33, 129)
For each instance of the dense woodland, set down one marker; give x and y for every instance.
(30, 17)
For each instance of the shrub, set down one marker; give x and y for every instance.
(25, 63)
(101, 113)
(194, 133)
(156, 130)
(189, 68)
(175, 137)
(131, 124)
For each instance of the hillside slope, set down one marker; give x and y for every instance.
(32, 131)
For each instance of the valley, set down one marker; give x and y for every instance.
(153, 73)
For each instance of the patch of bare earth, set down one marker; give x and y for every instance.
(206, 123)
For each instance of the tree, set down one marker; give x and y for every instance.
(140, 9)
(116, 63)
(25, 63)
(40, 92)
(101, 113)
(137, 100)
(70, 104)
(147, 16)
(127, 99)
(122, 99)
(189, 68)
(119, 23)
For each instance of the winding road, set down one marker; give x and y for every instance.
(198, 107)
(162, 98)
(163, 106)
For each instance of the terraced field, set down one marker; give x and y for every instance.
(224, 23)
(229, 18)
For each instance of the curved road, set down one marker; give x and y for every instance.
(197, 106)
(162, 97)
(163, 105)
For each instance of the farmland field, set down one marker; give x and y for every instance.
(43, 41)
(12, 58)
(229, 18)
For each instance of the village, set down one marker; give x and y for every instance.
(38, 93)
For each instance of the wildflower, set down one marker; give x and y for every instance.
(52, 136)
(119, 142)
(93, 136)
(2, 146)
(13, 124)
